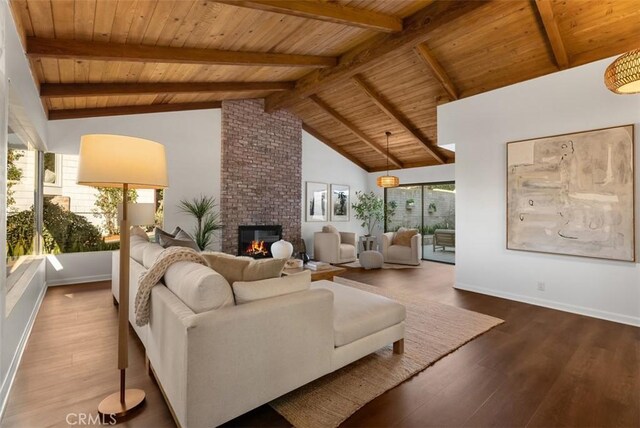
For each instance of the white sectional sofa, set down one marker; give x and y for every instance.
(214, 365)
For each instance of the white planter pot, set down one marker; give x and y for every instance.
(281, 249)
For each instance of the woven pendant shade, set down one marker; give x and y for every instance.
(388, 181)
(623, 75)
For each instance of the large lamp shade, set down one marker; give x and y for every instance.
(116, 160)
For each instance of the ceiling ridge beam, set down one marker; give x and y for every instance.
(427, 56)
(105, 51)
(125, 110)
(545, 11)
(417, 29)
(62, 90)
(327, 12)
(312, 131)
(398, 118)
(337, 116)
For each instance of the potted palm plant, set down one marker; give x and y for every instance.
(203, 209)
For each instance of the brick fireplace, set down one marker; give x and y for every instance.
(261, 171)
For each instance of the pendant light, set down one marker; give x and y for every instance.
(388, 180)
(623, 75)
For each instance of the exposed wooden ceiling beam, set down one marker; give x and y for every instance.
(374, 51)
(334, 146)
(325, 11)
(62, 90)
(337, 116)
(545, 9)
(123, 110)
(425, 54)
(77, 49)
(398, 118)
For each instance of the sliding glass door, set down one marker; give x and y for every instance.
(430, 208)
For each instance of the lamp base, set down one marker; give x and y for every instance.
(133, 398)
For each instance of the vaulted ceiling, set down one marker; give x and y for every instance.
(350, 69)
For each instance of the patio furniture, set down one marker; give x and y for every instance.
(444, 238)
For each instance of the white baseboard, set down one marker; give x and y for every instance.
(15, 362)
(78, 280)
(581, 310)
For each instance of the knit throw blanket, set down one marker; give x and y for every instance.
(151, 277)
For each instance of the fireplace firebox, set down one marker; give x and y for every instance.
(255, 241)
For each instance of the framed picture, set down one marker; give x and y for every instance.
(317, 202)
(573, 194)
(340, 202)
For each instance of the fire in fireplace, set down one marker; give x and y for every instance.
(257, 248)
(255, 241)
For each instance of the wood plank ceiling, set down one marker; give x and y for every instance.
(350, 69)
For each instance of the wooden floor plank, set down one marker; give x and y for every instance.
(540, 368)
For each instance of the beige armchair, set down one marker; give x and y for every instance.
(402, 254)
(334, 247)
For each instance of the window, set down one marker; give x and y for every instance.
(52, 171)
(430, 208)
(22, 240)
(80, 218)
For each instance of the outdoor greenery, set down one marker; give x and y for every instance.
(159, 216)
(203, 209)
(106, 204)
(390, 211)
(64, 232)
(14, 174)
(370, 209)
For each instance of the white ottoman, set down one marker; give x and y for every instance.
(371, 260)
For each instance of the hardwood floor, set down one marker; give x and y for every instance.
(540, 368)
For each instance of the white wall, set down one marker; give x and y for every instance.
(425, 174)
(77, 268)
(480, 126)
(192, 144)
(322, 164)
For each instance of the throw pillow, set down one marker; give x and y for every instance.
(137, 245)
(151, 253)
(138, 231)
(230, 267)
(263, 269)
(235, 269)
(199, 287)
(182, 239)
(329, 229)
(403, 237)
(245, 292)
(159, 232)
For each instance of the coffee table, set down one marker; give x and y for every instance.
(318, 275)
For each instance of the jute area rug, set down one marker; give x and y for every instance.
(432, 330)
(356, 264)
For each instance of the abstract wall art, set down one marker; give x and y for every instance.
(573, 194)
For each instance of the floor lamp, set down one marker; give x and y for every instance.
(117, 161)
